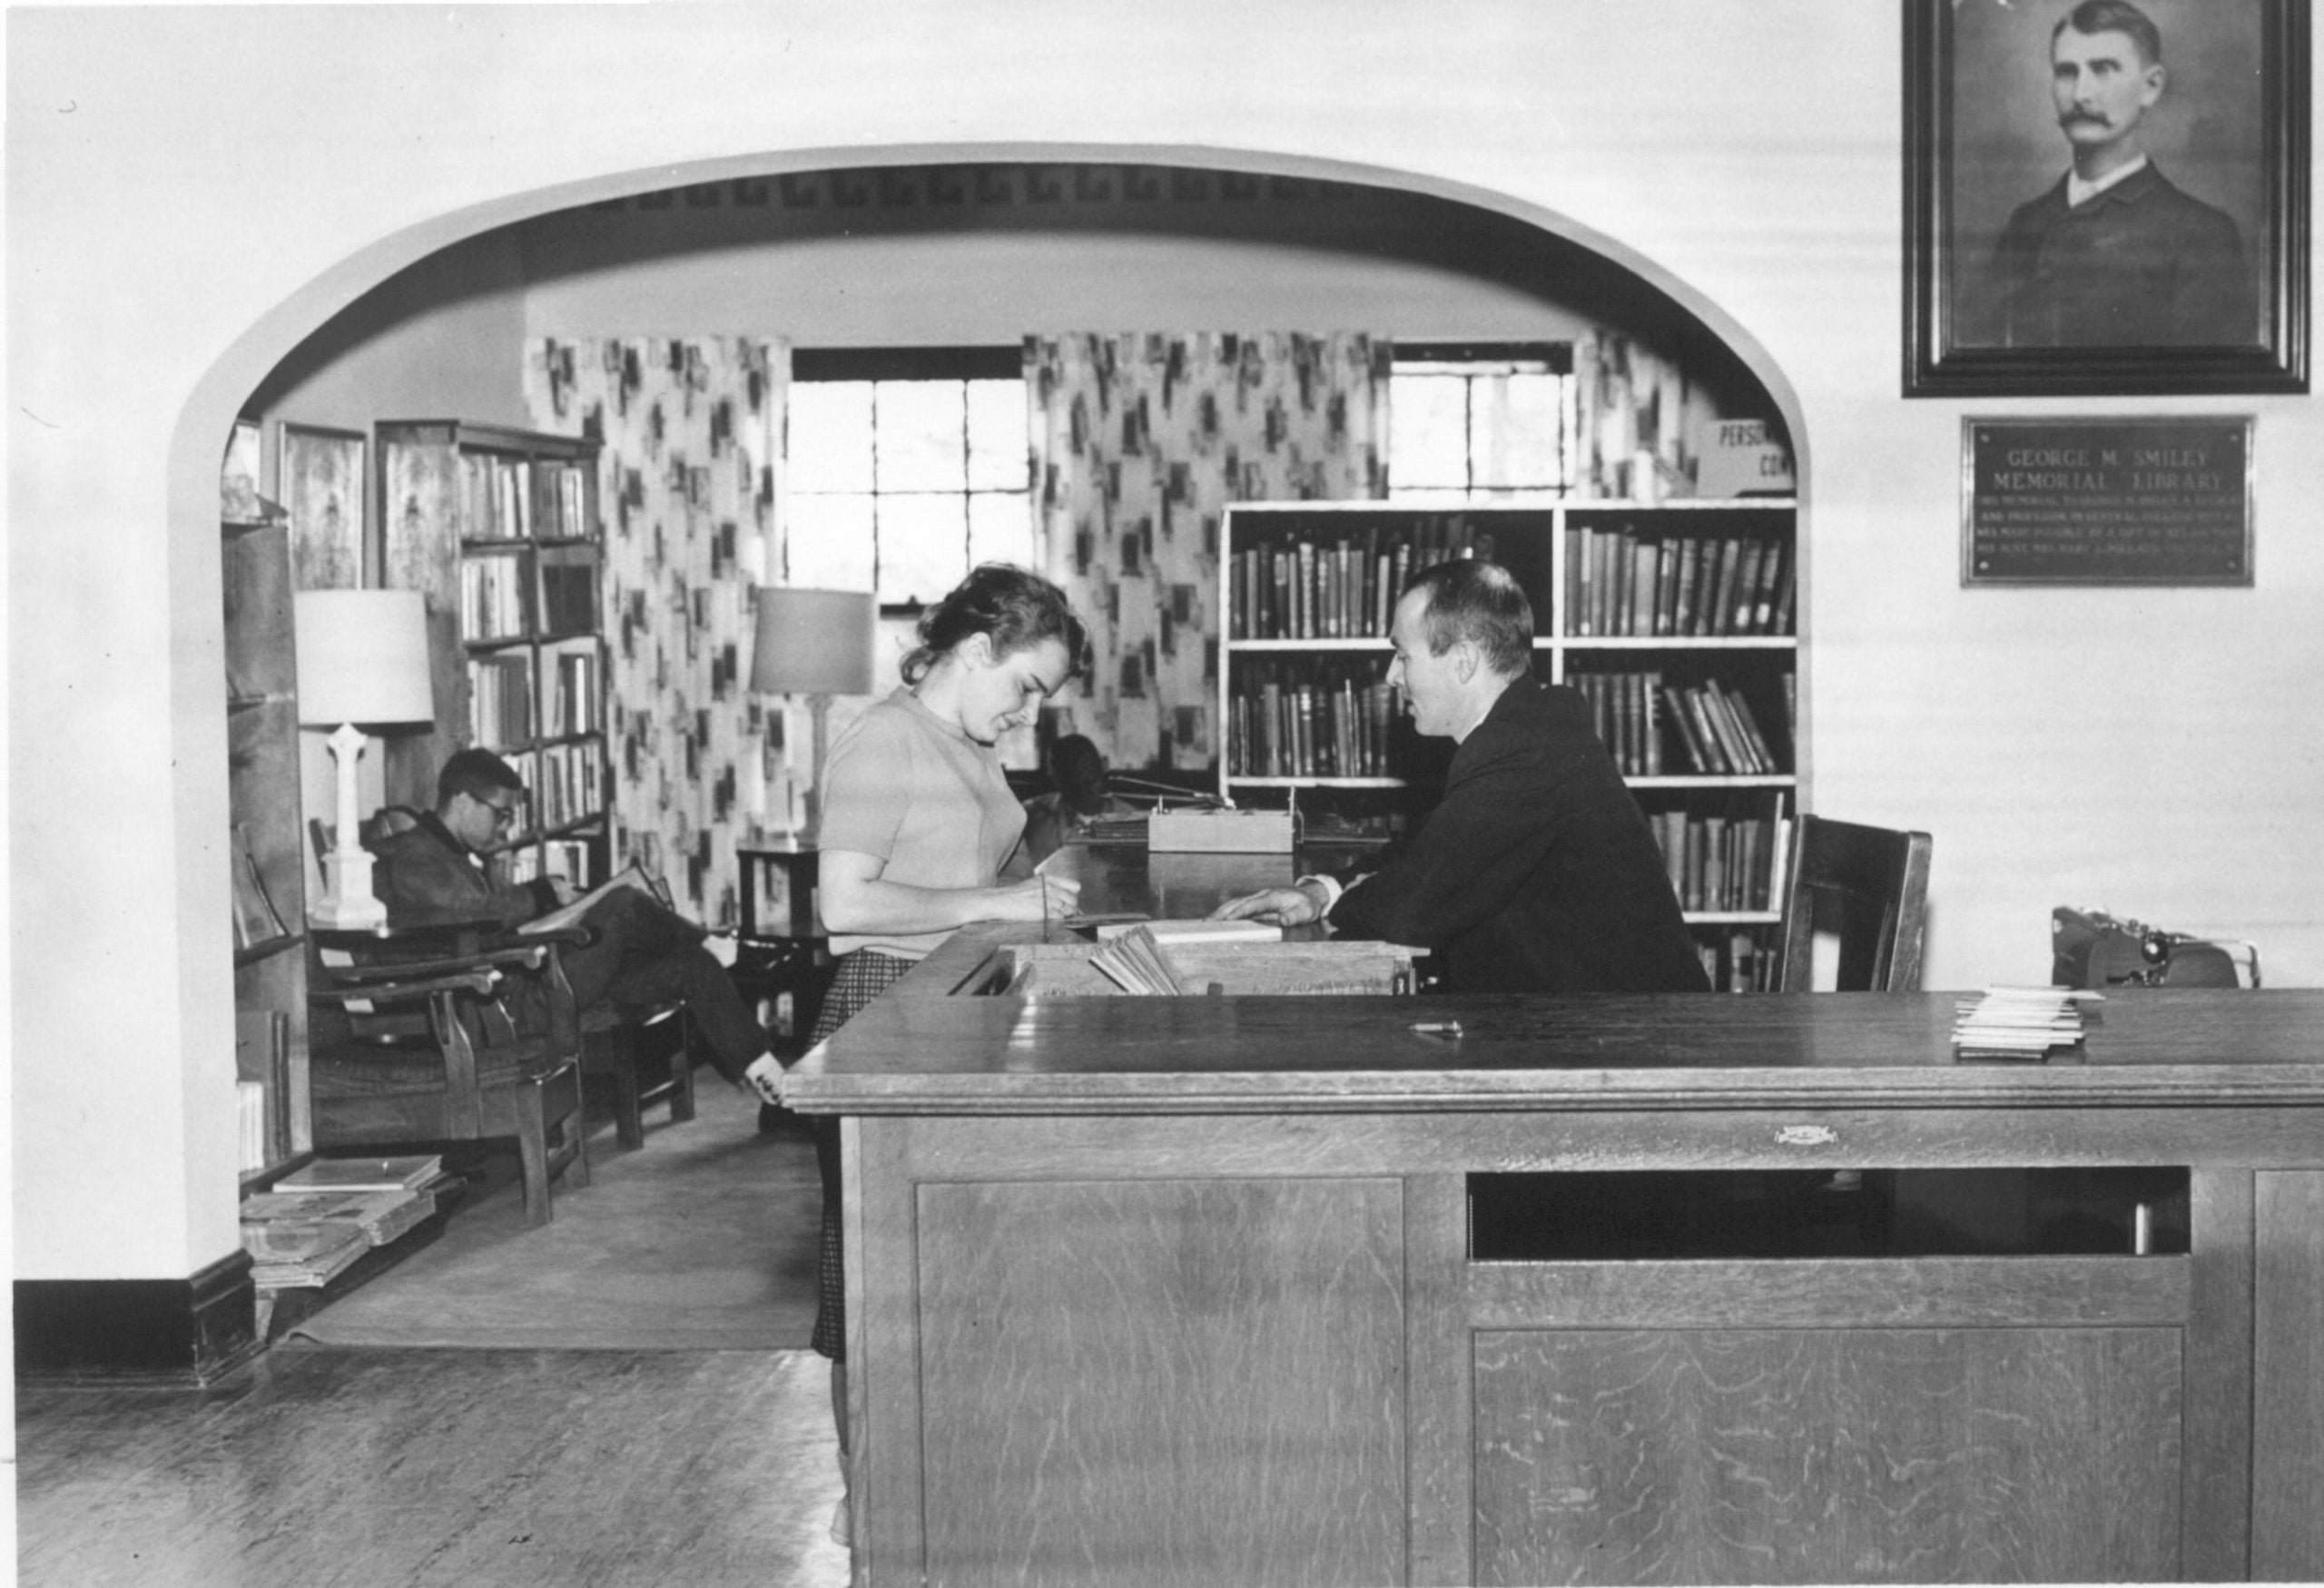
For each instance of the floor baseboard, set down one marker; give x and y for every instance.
(183, 1333)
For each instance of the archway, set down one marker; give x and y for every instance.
(250, 360)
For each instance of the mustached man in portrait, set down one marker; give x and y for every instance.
(2114, 253)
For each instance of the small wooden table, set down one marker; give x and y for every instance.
(782, 962)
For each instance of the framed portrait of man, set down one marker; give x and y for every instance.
(2105, 197)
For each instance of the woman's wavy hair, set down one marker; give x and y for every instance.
(1017, 608)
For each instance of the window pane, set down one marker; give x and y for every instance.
(830, 436)
(1000, 528)
(997, 443)
(830, 542)
(1429, 495)
(1428, 438)
(1514, 429)
(922, 430)
(923, 547)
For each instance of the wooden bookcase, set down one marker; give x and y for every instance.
(501, 529)
(1677, 620)
(265, 843)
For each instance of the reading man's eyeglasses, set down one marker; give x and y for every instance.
(502, 815)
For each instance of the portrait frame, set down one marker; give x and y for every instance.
(239, 472)
(1971, 159)
(321, 483)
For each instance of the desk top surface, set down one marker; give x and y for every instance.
(922, 1048)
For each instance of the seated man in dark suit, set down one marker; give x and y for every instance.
(641, 952)
(1536, 871)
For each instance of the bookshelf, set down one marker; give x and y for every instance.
(1677, 621)
(501, 528)
(265, 840)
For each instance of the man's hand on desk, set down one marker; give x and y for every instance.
(1293, 906)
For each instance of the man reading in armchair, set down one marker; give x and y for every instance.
(641, 952)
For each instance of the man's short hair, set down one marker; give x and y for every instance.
(474, 772)
(2114, 16)
(1479, 601)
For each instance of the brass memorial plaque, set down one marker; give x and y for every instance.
(2100, 501)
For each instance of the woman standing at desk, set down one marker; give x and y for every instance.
(918, 821)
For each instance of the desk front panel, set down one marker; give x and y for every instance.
(1257, 1349)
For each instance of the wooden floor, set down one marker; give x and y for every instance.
(399, 1467)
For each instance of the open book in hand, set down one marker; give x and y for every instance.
(570, 914)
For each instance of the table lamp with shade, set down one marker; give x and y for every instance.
(818, 644)
(362, 660)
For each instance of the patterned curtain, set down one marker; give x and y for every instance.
(1641, 418)
(690, 483)
(1139, 442)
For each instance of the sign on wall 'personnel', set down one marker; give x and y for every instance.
(2123, 501)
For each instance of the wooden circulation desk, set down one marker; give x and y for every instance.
(1183, 1291)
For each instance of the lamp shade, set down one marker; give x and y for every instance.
(814, 642)
(362, 657)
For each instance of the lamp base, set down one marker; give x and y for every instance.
(347, 904)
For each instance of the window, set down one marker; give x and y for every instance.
(1491, 422)
(907, 467)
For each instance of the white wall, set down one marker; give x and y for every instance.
(191, 191)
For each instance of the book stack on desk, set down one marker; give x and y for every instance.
(2016, 1022)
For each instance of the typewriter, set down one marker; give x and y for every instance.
(2091, 949)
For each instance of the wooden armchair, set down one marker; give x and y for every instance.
(459, 1031)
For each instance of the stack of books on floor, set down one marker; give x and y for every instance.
(322, 1217)
(2017, 1022)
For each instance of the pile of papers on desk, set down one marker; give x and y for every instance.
(2018, 1022)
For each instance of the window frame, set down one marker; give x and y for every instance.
(902, 365)
(1474, 360)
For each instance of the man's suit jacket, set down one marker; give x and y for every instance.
(2142, 264)
(1537, 871)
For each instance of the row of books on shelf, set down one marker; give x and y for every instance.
(251, 1126)
(1723, 864)
(1621, 583)
(1713, 729)
(568, 596)
(1324, 729)
(316, 1221)
(501, 698)
(523, 498)
(1343, 590)
(573, 699)
(263, 1085)
(559, 857)
(496, 597)
(565, 782)
(1742, 960)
